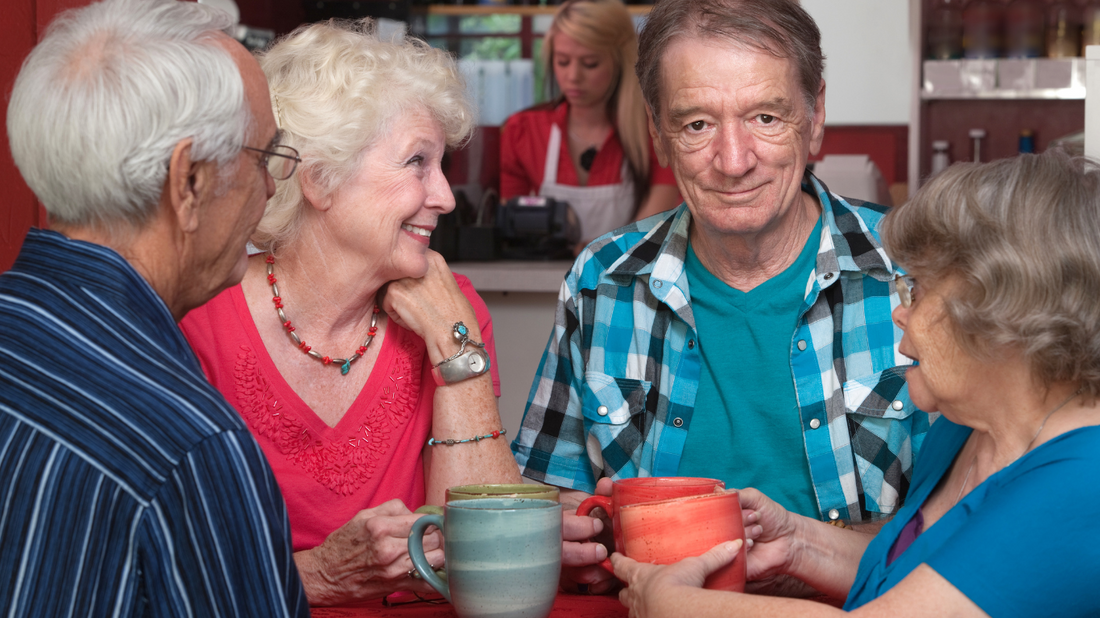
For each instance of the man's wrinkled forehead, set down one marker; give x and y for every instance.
(669, 71)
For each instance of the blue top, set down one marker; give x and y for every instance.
(1023, 543)
(615, 391)
(746, 393)
(128, 486)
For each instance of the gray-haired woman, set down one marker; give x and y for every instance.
(341, 347)
(1002, 316)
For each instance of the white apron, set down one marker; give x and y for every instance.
(600, 209)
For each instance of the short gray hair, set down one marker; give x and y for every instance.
(336, 87)
(100, 104)
(1023, 237)
(779, 27)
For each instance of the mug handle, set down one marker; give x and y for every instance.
(592, 502)
(586, 507)
(416, 552)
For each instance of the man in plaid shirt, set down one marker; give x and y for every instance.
(747, 334)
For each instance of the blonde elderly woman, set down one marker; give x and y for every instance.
(1003, 319)
(353, 353)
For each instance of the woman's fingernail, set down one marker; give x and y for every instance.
(735, 545)
(601, 552)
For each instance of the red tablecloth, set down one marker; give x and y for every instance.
(565, 606)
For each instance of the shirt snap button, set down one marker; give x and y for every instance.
(897, 405)
(602, 410)
(677, 422)
(802, 345)
(828, 276)
(834, 514)
(691, 344)
(815, 423)
(657, 283)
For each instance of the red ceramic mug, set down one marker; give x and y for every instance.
(646, 489)
(668, 531)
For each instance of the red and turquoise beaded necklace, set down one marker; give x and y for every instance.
(344, 363)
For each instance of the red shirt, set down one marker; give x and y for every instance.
(328, 474)
(523, 142)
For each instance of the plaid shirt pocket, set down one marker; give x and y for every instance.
(614, 415)
(879, 423)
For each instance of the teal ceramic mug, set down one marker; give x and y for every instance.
(503, 556)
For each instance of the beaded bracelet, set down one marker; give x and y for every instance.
(488, 436)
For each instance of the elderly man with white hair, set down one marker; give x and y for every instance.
(128, 486)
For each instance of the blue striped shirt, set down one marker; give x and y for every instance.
(615, 390)
(128, 486)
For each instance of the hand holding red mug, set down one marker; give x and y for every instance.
(645, 489)
(586, 542)
(669, 531)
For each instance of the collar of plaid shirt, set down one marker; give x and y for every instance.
(849, 246)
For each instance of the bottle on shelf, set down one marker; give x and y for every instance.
(1024, 29)
(940, 158)
(982, 29)
(1027, 141)
(1090, 19)
(945, 30)
(1063, 29)
(976, 137)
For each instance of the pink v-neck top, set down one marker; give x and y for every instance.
(328, 474)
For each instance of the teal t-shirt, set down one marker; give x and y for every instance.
(746, 428)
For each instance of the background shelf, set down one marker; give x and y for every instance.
(1004, 78)
(490, 9)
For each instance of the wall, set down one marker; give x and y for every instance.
(23, 24)
(867, 64)
(522, 324)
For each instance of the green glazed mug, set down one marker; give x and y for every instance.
(503, 556)
(530, 491)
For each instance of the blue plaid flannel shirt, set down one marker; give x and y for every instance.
(616, 387)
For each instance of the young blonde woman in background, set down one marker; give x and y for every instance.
(590, 146)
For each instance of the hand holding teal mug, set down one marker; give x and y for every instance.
(503, 556)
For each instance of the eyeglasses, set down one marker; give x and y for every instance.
(280, 161)
(907, 287)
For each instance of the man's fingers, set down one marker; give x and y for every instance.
(592, 579)
(582, 554)
(579, 527)
(604, 586)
